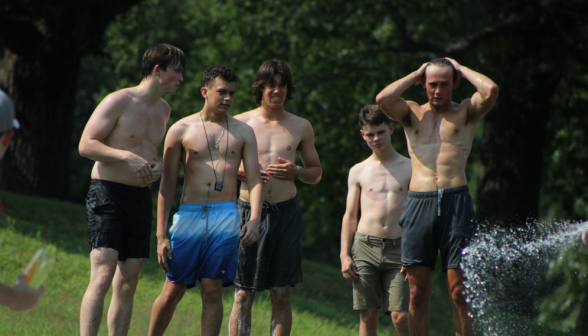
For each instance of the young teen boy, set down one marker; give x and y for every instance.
(204, 239)
(370, 249)
(122, 136)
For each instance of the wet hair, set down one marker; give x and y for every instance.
(218, 71)
(265, 75)
(441, 62)
(165, 56)
(372, 115)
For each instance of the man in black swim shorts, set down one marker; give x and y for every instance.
(438, 212)
(274, 261)
(122, 136)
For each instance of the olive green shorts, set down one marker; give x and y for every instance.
(380, 282)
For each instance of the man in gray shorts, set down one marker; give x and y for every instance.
(438, 213)
(274, 261)
(370, 249)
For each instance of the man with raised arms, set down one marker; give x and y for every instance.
(438, 213)
(274, 262)
(122, 136)
(204, 238)
(370, 250)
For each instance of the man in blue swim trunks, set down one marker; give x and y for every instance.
(204, 239)
(438, 212)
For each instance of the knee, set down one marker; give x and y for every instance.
(458, 296)
(211, 296)
(370, 317)
(243, 297)
(280, 297)
(399, 317)
(419, 296)
(101, 284)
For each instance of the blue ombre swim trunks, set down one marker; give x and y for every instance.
(205, 243)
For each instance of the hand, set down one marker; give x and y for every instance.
(585, 237)
(420, 73)
(457, 67)
(164, 252)
(286, 170)
(241, 176)
(142, 169)
(156, 169)
(349, 270)
(25, 296)
(403, 271)
(249, 233)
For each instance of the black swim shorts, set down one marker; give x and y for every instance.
(275, 259)
(119, 217)
(437, 220)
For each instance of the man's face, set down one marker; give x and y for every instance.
(220, 95)
(439, 84)
(377, 137)
(274, 94)
(171, 78)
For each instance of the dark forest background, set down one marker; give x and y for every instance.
(59, 58)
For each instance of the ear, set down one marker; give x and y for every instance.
(204, 92)
(361, 131)
(6, 137)
(156, 71)
(391, 128)
(424, 81)
(456, 82)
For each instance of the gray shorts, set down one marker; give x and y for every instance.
(436, 220)
(380, 282)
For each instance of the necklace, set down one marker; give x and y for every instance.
(216, 142)
(218, 186)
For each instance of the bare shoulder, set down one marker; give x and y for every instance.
(240, 126)
(180, 127)
(165, 107)
(245, 116)
(356, 170)
(117, 101)
(299, 121)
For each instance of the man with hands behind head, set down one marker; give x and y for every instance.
(438, 213)
(122, 136)
(204, 239)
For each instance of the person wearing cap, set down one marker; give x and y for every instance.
(20, 296)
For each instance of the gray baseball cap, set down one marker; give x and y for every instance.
(7, 119)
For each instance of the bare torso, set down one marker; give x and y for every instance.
(199, 174)
(439, 145)
(140, 129)
(279, 138)
(384, 187)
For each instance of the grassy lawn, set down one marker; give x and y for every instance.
(322, 305)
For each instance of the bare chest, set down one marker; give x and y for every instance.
(276, 140)
(198, 152)
(380, 183)
(139, 128)
(438, 128)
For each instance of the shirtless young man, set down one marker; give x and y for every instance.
(274, 262)
(438, 213)
(122, 136)
(204, 238)
(370, 250)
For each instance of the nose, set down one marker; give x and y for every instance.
(181, 78)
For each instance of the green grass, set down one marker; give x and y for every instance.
(322, 305)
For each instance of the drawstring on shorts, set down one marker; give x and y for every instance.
(203, 216)
(439, 197)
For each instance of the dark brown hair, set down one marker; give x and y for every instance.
(165, 56)
(372, 115)
(441, 62)
(218, 71)
(265, 75)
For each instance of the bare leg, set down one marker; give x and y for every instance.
(420, 279)
(462, 323)
(211, 291)
(368, 322)
(123, 290)
(281, 324)
(240, 322)
(165, 306)
(103, 263)
(400, 321)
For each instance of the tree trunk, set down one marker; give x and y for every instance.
(43, 91)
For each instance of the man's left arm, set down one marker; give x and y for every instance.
(250, 231)
(311, 172)
(483, 100)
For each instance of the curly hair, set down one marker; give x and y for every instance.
(372, 115)
(218, 71)
(164, 55)
(265, 75)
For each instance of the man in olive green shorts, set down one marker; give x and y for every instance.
(370, 251)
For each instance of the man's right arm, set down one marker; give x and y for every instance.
(349, 226)
(171, 159)
(20, 297)
(389, 99)
(99, 127)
